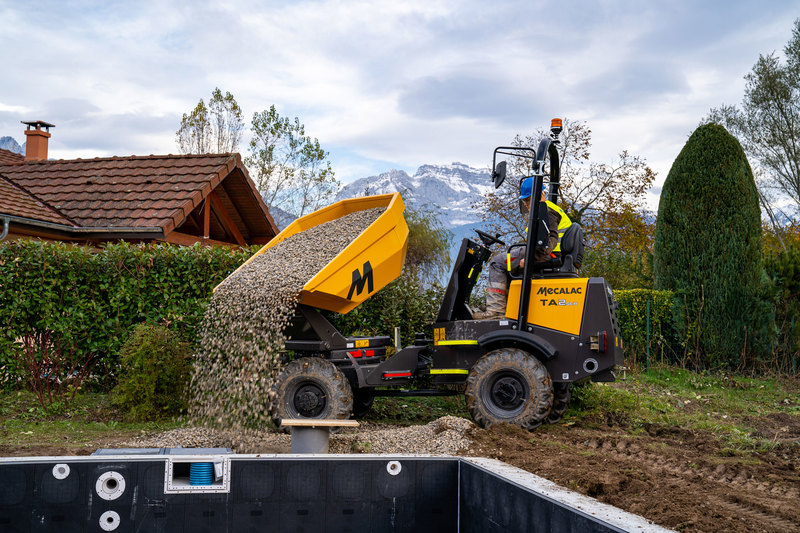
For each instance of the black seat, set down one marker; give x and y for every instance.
(572, 245)
(567, 265)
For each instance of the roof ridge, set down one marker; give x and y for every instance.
(225, 155)
(41, 201)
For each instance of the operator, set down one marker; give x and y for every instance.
(503, 264)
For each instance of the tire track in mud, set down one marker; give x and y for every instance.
(766, 518)
(719, 473)
(762, 501)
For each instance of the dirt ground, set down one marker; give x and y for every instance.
(674, 477)
(677, 478)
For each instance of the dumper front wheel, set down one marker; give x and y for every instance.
(509, 386)
(311, 387)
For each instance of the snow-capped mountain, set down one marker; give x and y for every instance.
(8, 143)
(451, 188)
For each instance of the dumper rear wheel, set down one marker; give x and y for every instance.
(311, 387)
(561, 396)
(509, 386)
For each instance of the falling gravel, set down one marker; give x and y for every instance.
(241, 336)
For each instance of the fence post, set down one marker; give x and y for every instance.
(647, 348)
(794, 352)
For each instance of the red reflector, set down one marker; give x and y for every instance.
(397, 374)
(369, 353)
(357, 353)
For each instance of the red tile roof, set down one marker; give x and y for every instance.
(135, 191)
(8, 157)
(19, 203)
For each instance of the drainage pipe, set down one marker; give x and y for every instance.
(6, 222)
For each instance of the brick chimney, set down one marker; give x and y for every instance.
(36, 143)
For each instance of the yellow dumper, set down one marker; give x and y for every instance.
(558, 329)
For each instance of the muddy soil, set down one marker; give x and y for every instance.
(674, 477)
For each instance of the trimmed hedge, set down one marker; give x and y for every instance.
(633, 319)
(90, 300)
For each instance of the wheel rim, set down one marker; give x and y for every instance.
(506, 393)
(309, 400)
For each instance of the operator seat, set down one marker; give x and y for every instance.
(572, 247)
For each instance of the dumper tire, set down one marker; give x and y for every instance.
(362, 401)
(310, 387)
(561, 396)
(509, 386)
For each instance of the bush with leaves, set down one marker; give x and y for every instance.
(708, 249)
(155, 373)
(64, 306)
(783, 269)
(646, 321)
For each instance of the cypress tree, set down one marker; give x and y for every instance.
(708, 247)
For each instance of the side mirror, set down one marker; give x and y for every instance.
(499, 174)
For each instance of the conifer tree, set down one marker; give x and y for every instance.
(707, 247)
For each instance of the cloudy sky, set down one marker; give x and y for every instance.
(383, 83)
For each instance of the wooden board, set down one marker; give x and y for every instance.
(318, 422)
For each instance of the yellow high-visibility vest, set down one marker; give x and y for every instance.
(563, 224)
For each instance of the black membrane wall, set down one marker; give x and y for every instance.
(282, 494)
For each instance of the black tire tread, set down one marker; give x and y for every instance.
(561, 396)
(325, 374)
(536, 407)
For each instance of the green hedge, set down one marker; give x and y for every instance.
(90, 299)
(633, 321)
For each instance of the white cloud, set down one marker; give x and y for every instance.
(384, 82)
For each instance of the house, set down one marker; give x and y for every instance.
(180, 199)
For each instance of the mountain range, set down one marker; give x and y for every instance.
(451, 190)
(8, 143)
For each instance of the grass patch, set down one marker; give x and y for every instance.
(90, 418)
(719, 404)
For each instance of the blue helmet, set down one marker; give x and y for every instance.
(526, 189)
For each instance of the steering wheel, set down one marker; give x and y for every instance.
(488, 240)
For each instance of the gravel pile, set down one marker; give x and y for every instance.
(445, 436)
(241, 335)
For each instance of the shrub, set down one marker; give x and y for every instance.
(88, 300)
(154, 375)
(783, 269)
(707, 248)
(633, 321)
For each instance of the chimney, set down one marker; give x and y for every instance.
(36, 143)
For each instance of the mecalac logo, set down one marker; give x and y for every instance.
(359, 281)
(559, 290)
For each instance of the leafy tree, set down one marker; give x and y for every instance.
(291, 169)
(428, 256)
(708, 247)
(768, 126)
(216, 128)
(607, 199)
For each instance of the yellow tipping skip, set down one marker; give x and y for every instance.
(373, 260)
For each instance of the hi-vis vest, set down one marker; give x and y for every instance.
(563, 224)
